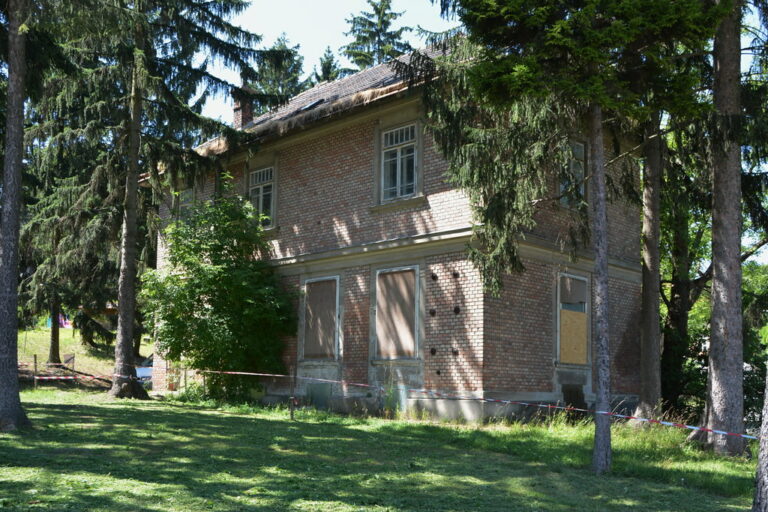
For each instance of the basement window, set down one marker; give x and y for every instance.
(573, 324)
(321, 308)
(396, 313)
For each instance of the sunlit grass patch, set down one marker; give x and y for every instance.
(91, 453)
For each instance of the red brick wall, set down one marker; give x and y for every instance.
(326, 191)
(447, 331)
(356, 301)
(519, 331)
(624, 318)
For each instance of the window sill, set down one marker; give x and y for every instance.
(271, 232)
(400, 204)
(305, 363)
(573, 366)
(399, 362)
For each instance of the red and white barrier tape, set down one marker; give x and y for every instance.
(504, 402)
(83, 377)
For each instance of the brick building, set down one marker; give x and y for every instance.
(365, 225)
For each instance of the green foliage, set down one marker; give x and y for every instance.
(330, 69)
(588, 51)
(506, 157)
(218, 305)
(374, 40)
(280, 76)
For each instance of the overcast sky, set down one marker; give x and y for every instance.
(315, 25)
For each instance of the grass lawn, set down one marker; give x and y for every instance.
(86, 360)
(90, 453)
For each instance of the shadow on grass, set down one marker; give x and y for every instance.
(149, 457)
(664, 461)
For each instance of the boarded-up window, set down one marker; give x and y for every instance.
(396, 313)
(573, 320)
(320, 320)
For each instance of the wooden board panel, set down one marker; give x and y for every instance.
(573, 337)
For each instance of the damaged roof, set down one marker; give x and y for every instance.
(326, 93)
(321, 101)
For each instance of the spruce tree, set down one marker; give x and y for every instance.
(279, 76)
(374, 39)
(726, 361)
(330, 69)
(582, 54)
(12, 415)
(141, 82)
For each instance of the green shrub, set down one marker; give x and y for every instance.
(218, 304)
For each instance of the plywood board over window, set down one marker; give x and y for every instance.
(573, 319)
(396, 313)
(321, 319)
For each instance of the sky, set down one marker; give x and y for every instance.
(315, 25)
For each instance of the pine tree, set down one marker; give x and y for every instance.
(330, 69)
(140, 87)
(726, 366)
(582, 54)
(279, 76)
(12, 415)
(374, 40)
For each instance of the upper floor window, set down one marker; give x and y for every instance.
(186, 200)
(398, 163)
(261, 192)
(572, 187)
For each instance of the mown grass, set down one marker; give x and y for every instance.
(89, 453)
(88, 360)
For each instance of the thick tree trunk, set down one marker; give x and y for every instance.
(12, 415)
(650, 327)
(124, 382)
(54, 357)
(760, 503)
(725, 351)
(601, 456)
(676, 325)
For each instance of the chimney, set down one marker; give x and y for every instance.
(243, 111)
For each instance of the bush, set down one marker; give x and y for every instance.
(218, 304)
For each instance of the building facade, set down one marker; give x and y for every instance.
(364, 224)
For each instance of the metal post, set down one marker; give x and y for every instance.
(34, 375)
(292, 402)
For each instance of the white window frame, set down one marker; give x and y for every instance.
(337, 353)
(400, 172)
(416, 317)
(587, 311)
(273, 202)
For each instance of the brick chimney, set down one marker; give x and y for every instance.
(243, 111)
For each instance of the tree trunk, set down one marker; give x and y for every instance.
(124, 382)
(760, 503)
(601, 456)
(54, 356)
(676, 325)
(650, 328)
(725, 352)
(137, 334)
(12, 415)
